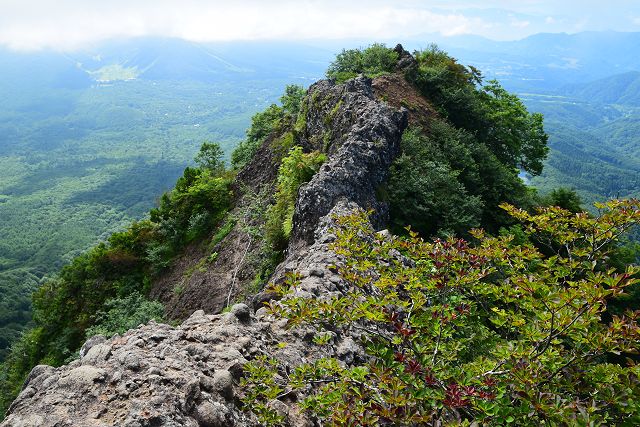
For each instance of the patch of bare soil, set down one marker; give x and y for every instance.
(396, 91)
(206, 279)
(210, 277)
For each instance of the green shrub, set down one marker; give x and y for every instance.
(100, 291)
(372, 61)
(273, 119)
(210, 157)
(565, 198)
(427, 190)
(291, 100)
(295, 169)
(445, 182)
(199, 200)
(262, 124)
(284, 143)
(222, 232)
(122, 314)
(458, 334)
(25, 354)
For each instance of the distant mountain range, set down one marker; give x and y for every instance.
(164, 59)
(539, 62)
(549, 61)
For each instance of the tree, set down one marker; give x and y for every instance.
(210, 157)
(273, 119)
(262, 124)
(428, 189)
(497, 118)
(446, 181)
(516, 136)
(292, 99)
(565, 198)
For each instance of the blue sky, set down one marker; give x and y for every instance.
(72, 24)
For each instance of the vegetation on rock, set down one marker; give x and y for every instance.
(296, 169)
(372, 61)
(518, 328)
(454, 174)
(102, 290)
(458, 332)
(267, 122)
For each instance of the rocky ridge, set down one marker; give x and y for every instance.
(158, 375)
(360, 135)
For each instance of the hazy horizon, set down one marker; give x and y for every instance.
(66, 25)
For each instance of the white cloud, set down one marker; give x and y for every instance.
(519, 24)
(69, 24)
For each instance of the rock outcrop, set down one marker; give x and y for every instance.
(361, 136)
(364, 139)
(158, 375)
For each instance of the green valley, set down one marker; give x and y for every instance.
(594, 139)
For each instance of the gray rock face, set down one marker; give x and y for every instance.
(363, 136)
(90, 343)
(158, 375)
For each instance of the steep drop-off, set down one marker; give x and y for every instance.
(188, 375)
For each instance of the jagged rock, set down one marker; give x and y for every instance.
(191, 376)
(241, 311)
(213, 415)
(95, 340)
(365, 140)
(258, 301)
(223, 384)
(158, 375)
(348, 351)
(38, 374)
(96, 353)
(405, 59)
(82, 377)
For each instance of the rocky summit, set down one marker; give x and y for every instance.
(189, 375)
(291, 302)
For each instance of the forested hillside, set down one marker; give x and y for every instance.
(620, 89)
(594, 138)
(586, 86)
(72, 176)
(90, 140)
